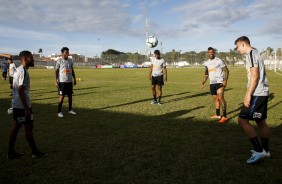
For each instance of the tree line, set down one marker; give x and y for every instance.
(115, 57)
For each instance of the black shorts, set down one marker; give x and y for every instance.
(65, 88)
(19, 116)
(257, 110)
(214, 88)
(11, 80)
(158, 80)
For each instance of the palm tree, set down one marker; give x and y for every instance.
(40, 51)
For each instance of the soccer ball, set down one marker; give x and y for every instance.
(152, 41)
(10, 111)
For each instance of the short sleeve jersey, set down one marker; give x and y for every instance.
(158, 65)
(253, 59)
(12, 69)
(65, 68)
(21, 78)
(215, 68)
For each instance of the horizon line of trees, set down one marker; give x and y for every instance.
(115, 57)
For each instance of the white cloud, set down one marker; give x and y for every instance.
(68, 15)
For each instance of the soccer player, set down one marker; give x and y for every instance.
(22, 112)
(12, 69)
(217, 71)
(4, 71)
(64, 73)
(255, 100)
(157, 75)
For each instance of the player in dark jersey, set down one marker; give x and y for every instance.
(255, 101)
(64, 73)
(22, 112)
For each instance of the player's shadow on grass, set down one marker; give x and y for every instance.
(139, 101)
(175, 114)
(121, 147)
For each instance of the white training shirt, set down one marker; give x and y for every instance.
(65, 68)
(253, 59)
(215, 68)
(21, 78)
(158, 65)
(12, 69)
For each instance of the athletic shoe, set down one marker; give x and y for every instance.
(72, 112)
(14, 155)
(267, 154)
(256, 156)
(223, 119)
(215, 117)
(38, 154)
(60, 115)
(154, 102)
(160, 103)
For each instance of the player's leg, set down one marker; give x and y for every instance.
(61, 93)
(18, 117)
(216, 102)
(220, 94)
(28, 126)
(12, 154)
(160, 82)
(69, 92)
(160, 93)
(153, 89)
(11, 85)
(245, 115)
(264, 135)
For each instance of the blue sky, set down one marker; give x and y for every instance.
(93, 26)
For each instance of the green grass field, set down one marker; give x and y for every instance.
(119, 137)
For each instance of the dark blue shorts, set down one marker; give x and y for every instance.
(257, 110)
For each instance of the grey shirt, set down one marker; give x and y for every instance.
(215, 68)
(21, 78)
(65, 68)
(253, 59)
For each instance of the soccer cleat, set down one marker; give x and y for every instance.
(72, 112)
(267, 154)
(223, 119)
(60, 115)
(38, 154)
(14, 155)
(154, 102)
(160, 103)
(256, 156)
(215, 117)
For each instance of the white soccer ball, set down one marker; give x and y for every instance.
(10, 111)
(152, 41)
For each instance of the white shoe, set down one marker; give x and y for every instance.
(60, 115)
(267, 154)
(256, 156)
(72, 112)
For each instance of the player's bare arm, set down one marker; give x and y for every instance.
(226, 75)
(56, 77)
(150, 72)
(74, 79)
(253, 83)
(165, 74)
(206, 76)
